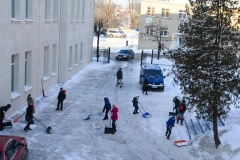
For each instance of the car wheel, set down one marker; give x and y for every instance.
(111, 36)
(25, 154)
(116, 59)
(122, 36)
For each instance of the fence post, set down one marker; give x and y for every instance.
(108, 54)
(141, 58)
(152, 57)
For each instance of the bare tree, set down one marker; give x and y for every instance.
(105, 12)
(133, 8)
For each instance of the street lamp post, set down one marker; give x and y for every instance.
(98, 32)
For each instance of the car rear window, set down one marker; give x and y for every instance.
(123, 51)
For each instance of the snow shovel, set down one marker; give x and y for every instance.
(47, 128)
(16, 119)
(180, 142)
(109, 129)
(146, 114)
(92, 115)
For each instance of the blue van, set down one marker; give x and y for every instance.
(154, 74)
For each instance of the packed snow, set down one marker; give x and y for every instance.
(137, 137)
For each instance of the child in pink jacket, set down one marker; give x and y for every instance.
(114, 116)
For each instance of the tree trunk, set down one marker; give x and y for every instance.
(215, 130)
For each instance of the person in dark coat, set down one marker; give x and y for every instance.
(145, 86)
(114, 116)
(170, 123)
(29, 117)
(107, 107)
(61, 97)
(181, 110)
(119, 77)
(135, 104)
(3, 109)
(176, 102)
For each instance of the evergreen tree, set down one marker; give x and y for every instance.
(207, 68)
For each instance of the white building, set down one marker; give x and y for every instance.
(48, 40)
(167, 15)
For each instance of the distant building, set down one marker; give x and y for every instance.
(168, 14)
(43, 42)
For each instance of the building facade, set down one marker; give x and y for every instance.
(43, 42)
(161, 17)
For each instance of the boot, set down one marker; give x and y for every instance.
(114, 127)
(25, 129)
(134, 112)
(29, 128)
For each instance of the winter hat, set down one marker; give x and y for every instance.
(114, 105)
(105, 98)
(120, 69)
(61, 88)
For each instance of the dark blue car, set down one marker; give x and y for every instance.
(125, 54)
(154, 74)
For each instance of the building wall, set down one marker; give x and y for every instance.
(40, 38)
(172, 23)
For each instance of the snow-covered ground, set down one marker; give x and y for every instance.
(137, 138)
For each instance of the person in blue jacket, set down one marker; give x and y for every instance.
(107, 107)
(170, 123)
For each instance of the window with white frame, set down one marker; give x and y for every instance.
(28, 9)
(27, 78)
(47, 9)
(54, 59)
(15, 7)
(46, 62)
(182, 14)
(151, 11)
(164, 31)
(72, 9)
(149, 31)
(78, 9)
(14, 73)
(165, 13)
(83, 8)
(81, 51)
(76, 52)
(55, 10)
(70, 57)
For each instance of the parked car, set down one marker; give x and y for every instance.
(154, 74)
(125, 54)
(116, 34)
(13, 148)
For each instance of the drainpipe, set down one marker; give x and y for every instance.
(59, 45)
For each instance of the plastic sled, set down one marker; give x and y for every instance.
(180, 143)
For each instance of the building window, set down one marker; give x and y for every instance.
(165, 13)
(46, 61)
(28, 67)
(164, 32)
(28, 9)
(72, 10)
(15, 9)
(70, 57)
(83, 8)
(81, 51)
(54, 59)
(182, 14)
(47, 9)
(76, 52)
(14, 73)
(55, 10)
(148, 20)
(78, 9)
(151, 11)
(149, 31)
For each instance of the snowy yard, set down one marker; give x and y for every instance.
(137, 138)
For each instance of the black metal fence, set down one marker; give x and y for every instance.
(103, 55)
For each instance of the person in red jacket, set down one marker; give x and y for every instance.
(114, 116)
